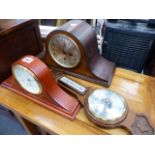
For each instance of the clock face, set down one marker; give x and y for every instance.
(27, 79)
(107, 105)
(64, 51)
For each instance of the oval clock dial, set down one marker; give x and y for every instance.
(27, 79)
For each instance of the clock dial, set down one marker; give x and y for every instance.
(107, 105)
(27, 79)
(64, 51)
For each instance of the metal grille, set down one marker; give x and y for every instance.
(127, 48)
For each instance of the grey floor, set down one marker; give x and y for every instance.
(9, 125)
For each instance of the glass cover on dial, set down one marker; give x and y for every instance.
(27, 79)
(106, 105)
(64, 51)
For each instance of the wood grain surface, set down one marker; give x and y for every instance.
(137, 89)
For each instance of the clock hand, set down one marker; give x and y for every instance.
(64, 48)
(30, 80)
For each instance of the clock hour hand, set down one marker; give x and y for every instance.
(64, 47)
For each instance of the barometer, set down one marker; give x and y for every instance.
(107, 108)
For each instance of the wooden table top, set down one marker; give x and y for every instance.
(137, 89)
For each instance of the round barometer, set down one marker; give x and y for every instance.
(105, 107)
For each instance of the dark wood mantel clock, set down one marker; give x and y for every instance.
(73, 48)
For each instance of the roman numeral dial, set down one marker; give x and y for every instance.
(64, 51)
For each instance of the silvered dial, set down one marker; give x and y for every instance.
(107, 105)
(27, 79)
(64, 51)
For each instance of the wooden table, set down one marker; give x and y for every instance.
(137, 89)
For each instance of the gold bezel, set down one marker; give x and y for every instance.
(32, 74)
(53, 57)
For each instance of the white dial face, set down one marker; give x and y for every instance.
(27, 79)
(107, 105)
(64, 51)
